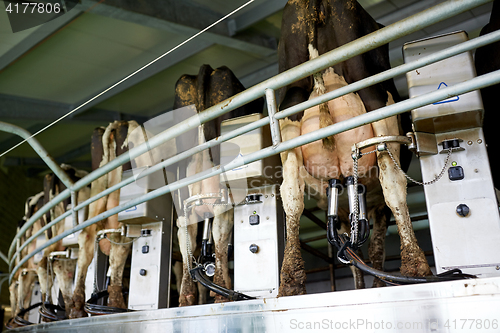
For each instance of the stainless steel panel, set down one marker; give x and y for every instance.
(458, 306)
(72, 240)
(257, 274)
(154, 210)
(260, 172)
(470, 243)
(151, 289)
(455, 113)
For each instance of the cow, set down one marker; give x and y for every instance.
(486, 61)
(107, 143)
(204, 90)
(24, 279)
(63, 269)
(311, 28)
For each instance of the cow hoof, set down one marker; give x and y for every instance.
(377, 283)
(220, 299)
(115, 298)
(187, 300)
(77, 313)
(414, 263)
(293, 275)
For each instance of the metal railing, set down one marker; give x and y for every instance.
(267, 88)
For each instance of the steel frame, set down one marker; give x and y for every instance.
(267, 88)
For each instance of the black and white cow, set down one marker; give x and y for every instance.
(204, 90)
(309, 29)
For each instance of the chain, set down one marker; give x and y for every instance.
(355, 213)
(423, 183)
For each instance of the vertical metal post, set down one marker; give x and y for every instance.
(273, 122)
(74, 213)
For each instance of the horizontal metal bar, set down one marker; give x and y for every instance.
(179, 157)
(37, 234)
(39, 213)
(393, 72)
(382, 113)
(159, 166)
(4, 257)
(38, 148)
(359, 46)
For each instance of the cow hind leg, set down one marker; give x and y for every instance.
(65, 272)
(376, 249)
(43, 279)
(221, 230)
(393, 181)
(187, 292)
(120, 249)
(293, 276)
(13, 297)
(86, 241)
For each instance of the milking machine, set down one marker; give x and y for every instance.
(448, 139)
(258, 234)
(148, 227)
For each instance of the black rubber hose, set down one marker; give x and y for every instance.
(92, 308)
(47, 311)
(198, 275)
(394, 279)
(18, 318)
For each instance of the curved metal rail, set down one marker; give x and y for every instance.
(267, 88)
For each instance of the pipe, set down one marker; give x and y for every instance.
(382, 113)
(4, 257)
(37, 147)
(74, 213)
(156, 167)
(39, 213)
(393, 72)
(394, 31)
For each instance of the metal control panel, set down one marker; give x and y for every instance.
(462, 207)
(258, 243)
(72, 240)
(150, 211)
(150, 267)
(454, 113)
(258, 173)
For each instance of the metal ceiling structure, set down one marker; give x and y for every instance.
(48, 70)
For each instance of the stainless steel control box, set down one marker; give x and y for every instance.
(462, 206)
(150, 267)
(153, 210)
(258, 173)
(259, 236)
(458, 112)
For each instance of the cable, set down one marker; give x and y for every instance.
(128, 76)
(356, 261)
(198, 275)
(94, 309)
